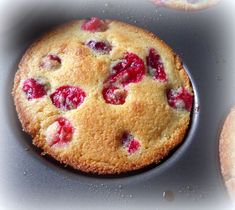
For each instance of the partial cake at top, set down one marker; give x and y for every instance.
(103, 96)
(186, 4)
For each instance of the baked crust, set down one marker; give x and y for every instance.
(95, 146)
(184, 5)
(227, 152)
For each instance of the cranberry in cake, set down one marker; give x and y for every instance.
(95, 96)
(50, 62)
(68, 97)
(34, 89)
(155, 66)
(60, 132)
(94, 25)
(102, 47)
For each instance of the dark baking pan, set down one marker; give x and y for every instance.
(188, 179)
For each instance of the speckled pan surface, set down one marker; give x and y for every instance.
(191, 173)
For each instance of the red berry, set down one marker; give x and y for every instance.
(94, 24)
(51, 62)
(130, 69)
(114, 95)
(60, 131)
(155, 66)
(180, 99)
(131, 144)
(34, 89)
(102, 47)
(68, 97)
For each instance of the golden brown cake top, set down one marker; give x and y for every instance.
(103, 96)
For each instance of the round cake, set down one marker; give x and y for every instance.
(186, 4)
(103, 96)
(227, 153)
